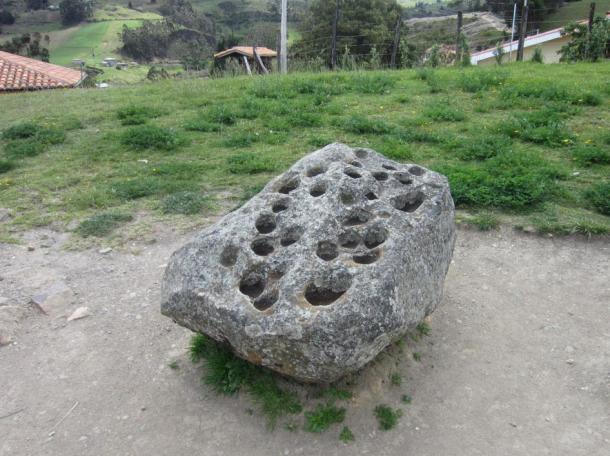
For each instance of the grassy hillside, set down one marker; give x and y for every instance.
(573, 11)
(525, 144)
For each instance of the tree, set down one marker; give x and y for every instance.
(74, 11)
(585, 46)
(364, 25)
(37, 4)
(6, 17)
(27, 45)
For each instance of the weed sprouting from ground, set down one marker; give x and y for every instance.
(484, 221)
(141, 187)
(372, 83)
(186, 203)
(599, 197)
(346, 435)
(228, 374)
(423, 329)
(100, 225)
(6, 166)
(482, 79)
(323, 416)
(406, 399)
(22, 148)
(337, 393)
(589, 154)
(387, 417)
(444, 112)
(363, 125)
(174, 365)
(396, 379)
(417, 356)
(249, 163)
(240, 139)
(151, 137)
(482, 147)
(545, 126)
(202, 125)
(137, 115)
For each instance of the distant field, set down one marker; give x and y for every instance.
(524, 144)
(573, 11)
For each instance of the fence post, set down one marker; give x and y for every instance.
(522, 31)
(458, 50)
(333, 52)
(396, 41)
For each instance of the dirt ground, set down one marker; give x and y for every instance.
(517, 363)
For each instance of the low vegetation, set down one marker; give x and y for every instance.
(387, 417)
(517, 146)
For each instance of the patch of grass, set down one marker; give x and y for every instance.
(387, 417)
(346, 435)
(482, 147)
(202, 125)
(338, 394)
(228, 374)
(364, 125)
(22, 148)
(174, 365)
(137, 115)
(100, 225)
(6, 166)
(396, 379)
(141, 187)
(444, 112)
(21, 131)
(545, 126)
(431, 78)
(186, 203)
(423, 329)
(417, 356)
(484, 221)
(372, 83)
(589, 154)
(549, 91)
(151, 137)
(249, 163)
(599, 197)
(482, 79)
(220, 114)
(406, 399)
(240, 139)
(559, 221)
(322, 417)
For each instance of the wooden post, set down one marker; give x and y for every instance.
(283, 38)
(333, 50)
(522, 31)
(458, 43)
(257, 59)
(395, 43)
(512, 32)
(246, 64)
(591, 15)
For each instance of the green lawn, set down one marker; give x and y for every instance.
(524, 144)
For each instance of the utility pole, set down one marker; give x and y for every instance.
(522, 32)
(590, 28)
(396, 41)
(333, 52)
(458, 43)
(283, 38)
(512, 32)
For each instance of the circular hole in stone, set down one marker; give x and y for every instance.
(371, 196)
(266, 300)
(352, 173)
(327, 250)
(290, 236)
(252, 284)
(390, 167)
(315, 170)
(328, 288)
(375, 235)
(380, 175)
(228, 256)
(417, 170)
(262, 246)
(366, 257)
(355, 163)
(408, 202)
(361, 153)
(280, 205)
(348, 196)
(403, 178)
(356, 217)
(318, 189)
(265, 223)
(349, 239)
(289, 185)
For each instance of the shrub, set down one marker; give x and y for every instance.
(483, 147)
(186, 203)
(21, 131)
(443, 112)
(249, 163)
(136, 115)
(323, 416)
(587, 155)
(6, 166)
(599, 197)
(363, 125)
(102, 224)
(480, 79)
(545, 126)
(150, 136)
(386, 417)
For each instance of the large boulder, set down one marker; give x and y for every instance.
(331, 262)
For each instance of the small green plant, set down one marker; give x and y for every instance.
(406, 399)
(364, 125)
(336, 393)
(249, 163)
(417, 356)
(387, 417)
(423, 329)
(220, 114)
(443, 112)
(322, 417)
(136, 115)
(346, 435)
(6, 166)
(174, 365)
(373, 83)
(396, 379)
(545, 126)
(537, 56)
(240, 139)
(589, 154)
(499, 53)
(100, 225)
(482, 147)
(150, 137)
(599, 197)
(186, 203)
(21, 131)
(485, 221)
(202, 125)
(291, 426)
(141, 187)
(22, 148)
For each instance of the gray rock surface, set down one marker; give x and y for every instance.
(331, 262)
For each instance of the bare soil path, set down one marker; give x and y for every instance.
(518, 361)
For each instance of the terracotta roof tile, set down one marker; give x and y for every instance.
(247, 51)
(23, 73)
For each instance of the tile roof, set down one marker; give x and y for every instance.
(23, 73)
(247, 51)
